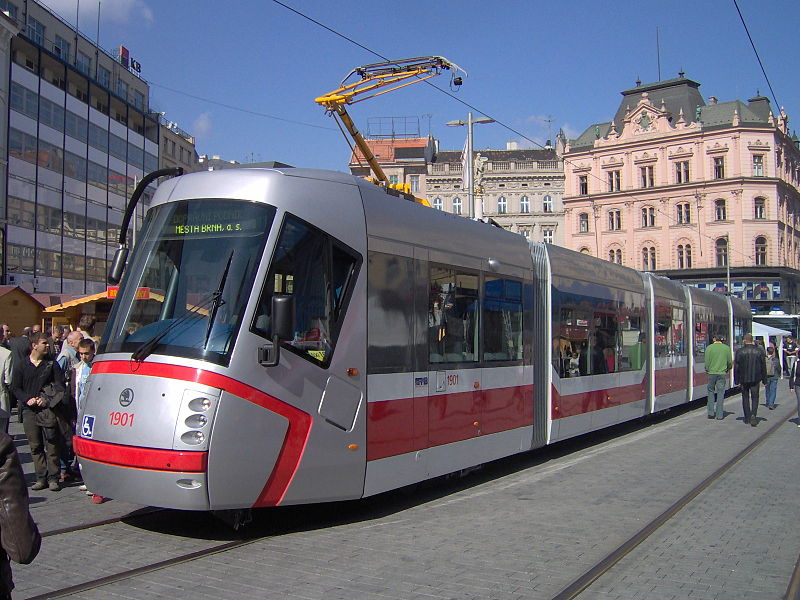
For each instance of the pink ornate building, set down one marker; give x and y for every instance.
(688, 189)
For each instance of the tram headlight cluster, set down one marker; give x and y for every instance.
(194, 420)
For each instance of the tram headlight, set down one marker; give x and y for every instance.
(200, 404)
(193, 438)
(196, 421)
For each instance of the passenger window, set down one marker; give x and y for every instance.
(502, 319)
(318, 271)
(452, 316)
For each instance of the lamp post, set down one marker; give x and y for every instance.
(477, 211)
(727, 264)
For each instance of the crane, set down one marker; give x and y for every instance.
(375, 80)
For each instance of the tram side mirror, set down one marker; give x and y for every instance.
(118, 266)
(283, 317)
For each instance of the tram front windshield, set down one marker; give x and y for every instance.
(189, 279)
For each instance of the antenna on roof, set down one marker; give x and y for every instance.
(658, 55)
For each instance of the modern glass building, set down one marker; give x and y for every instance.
(79, 137)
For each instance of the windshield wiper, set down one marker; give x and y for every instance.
(217, 301)
(146, 349)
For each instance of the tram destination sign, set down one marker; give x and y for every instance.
(215, 222)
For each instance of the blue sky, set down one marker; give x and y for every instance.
(527, 62)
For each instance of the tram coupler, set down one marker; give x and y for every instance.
(234, 518)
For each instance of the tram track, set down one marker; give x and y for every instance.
(142, 512)
(583, 583)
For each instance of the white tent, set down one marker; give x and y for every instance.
(761, 330)
(765, 331)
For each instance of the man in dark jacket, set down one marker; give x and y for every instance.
(19, 537)
(29, 380)
(750, 369)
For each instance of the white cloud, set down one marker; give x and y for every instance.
(114, 11)
(201, 127)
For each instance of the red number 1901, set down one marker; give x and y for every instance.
(121, 419)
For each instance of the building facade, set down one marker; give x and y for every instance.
(700, 192)
(521, 190)
(80, 134)
(177, 148)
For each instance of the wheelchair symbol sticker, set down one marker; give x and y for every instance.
(87, 429)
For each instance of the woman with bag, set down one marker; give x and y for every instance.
(38, 386)
(773, 374)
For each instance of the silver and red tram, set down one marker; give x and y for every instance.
(288, 336)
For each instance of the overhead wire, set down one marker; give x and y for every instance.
(240, 109)
(502, 123)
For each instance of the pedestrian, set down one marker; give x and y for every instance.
(68, 357)
(789, 352)
(5, 388)
(19, 536)
(773, 374)
(719, 360)
(20, 346)
(38, 386)
(78, 389)
(794, 384)
(5, 335)
(750, 368)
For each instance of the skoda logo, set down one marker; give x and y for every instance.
(126, 397)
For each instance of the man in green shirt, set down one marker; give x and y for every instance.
(719, 361)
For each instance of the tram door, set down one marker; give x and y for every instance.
(322, 370)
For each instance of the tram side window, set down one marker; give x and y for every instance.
(594, 336)
(452, 316)
(318, 271)
(740, 327)
(702, 335)
(502, 319)
(390, 313)
(669, 333)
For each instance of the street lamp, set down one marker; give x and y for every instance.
(477, 211)
(727, 264)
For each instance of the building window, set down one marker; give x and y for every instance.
(547, 203)
(614, 220)
(104, 77)
(35, 31)
(122, 89)
(758, 165)
(547, 235)
(615, 256)
(392, 179)
(583, 185)
(759, 208)
(682, 171)
(613, 181)
(648, 179)
(524, 204)
(8, 7)
(720, 210)
(437, 203)
(685, 256)
(526, 233)
(719, 167)
(502, 205)
(583, 222)
(414, 181)
(722, 251)
(648, 217)
(84, 63)
(138, 99)
(585, 250)
(61, 48)
(761, 251)
(456, 206)
(684, 213)
(648, 259)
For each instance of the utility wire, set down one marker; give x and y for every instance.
(240, 109)
(758, 58)
(508, 127)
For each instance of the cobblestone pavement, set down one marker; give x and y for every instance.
(524, 527)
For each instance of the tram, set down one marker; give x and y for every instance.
(288, 336)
